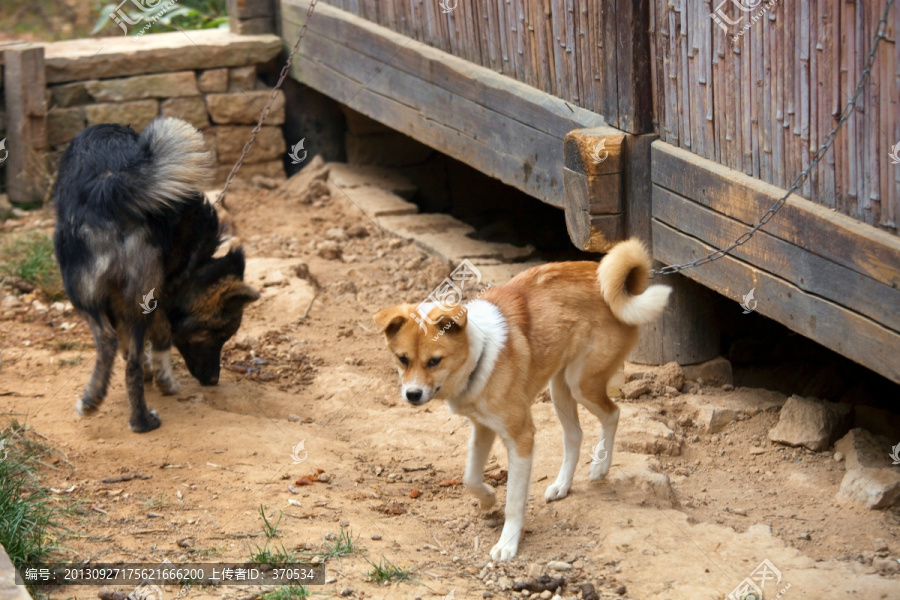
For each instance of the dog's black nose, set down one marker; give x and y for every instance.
(413, 395)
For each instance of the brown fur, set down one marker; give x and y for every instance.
(560, 331)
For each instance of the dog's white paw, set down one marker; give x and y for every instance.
(488, 500)
(505, 549)
(168, 386)
(557, 491)
(599, 470)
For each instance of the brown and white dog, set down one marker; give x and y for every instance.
(569, 325)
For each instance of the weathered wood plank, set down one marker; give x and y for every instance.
(26, 127)
(839, 238)
(496, 92)
(842, 330)
(798, 266)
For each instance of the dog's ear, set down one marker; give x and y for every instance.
(390, 320)
(456, 318)
(240, 294)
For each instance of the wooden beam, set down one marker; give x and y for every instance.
(838, 328)
(799, 266)
(26, 128)
(251, 17)
(635, 90)
(829, 234)
(504, 128)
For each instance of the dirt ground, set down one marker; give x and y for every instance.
(308, 366)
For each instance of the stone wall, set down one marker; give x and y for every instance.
(224, 103)
(210, 78)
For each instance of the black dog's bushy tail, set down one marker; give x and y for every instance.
(179, 165)
(117, 172)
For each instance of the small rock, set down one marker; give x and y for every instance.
(294, 418)
(376, 537)
(504, 583)
(838, 457)
(879, 545)
(346, 591)
(324, 478)
(558, 565)
(757, 450)
(329, 250)
(331, 580)
(714, 419)
(804, 536)
(621, 590)
(534, 570)
(713, 372)
(727, 388)
(337, 234)
(671, 375)
(863, 450)
(873, 488)
(546, 595)
(886, 565)
(634, 389)
(810, 423)
(357, 231)
(487, 595)
(588, 591)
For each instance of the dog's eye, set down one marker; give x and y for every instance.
(403, 360)
(434, 361)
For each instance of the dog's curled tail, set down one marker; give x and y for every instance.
(623, 275)
(179, 164)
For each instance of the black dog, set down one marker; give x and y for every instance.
(134, 230)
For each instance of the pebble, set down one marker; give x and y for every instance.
(838, 457)
(331, 580)
(294, 418)
(504, 583)
(546, 595)
(558, 565)
(376, 537)
(487, 595)
(346, 591)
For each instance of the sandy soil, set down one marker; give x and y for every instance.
(326, 380)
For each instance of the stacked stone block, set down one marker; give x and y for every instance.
(224, 103)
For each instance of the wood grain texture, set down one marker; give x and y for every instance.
(507, 129)
(838, 328)
(591, 54)
(838, 238)
(762, 100)
(24, 84)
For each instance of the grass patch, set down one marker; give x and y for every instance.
(342, 545)
(28, 526)
(287, 592)
(30, 258)
(386, 571)
(157, 502)
(269, 553)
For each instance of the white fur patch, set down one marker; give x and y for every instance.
(487, 332)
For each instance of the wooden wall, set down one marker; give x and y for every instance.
(584, 52)
(763, 104)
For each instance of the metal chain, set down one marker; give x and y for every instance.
(265, 112)
(820, 153)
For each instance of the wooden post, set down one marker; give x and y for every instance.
(635, 93)
(687, 332)
(592, 187)
(251, 17)
(24, 83)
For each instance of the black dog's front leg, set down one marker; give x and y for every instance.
(161, 355)
(142, 419)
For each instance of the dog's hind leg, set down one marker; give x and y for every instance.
(106, 343)
(567, 411)
(142, 419)
(479, 448)
(161, 355)
(590, 391)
